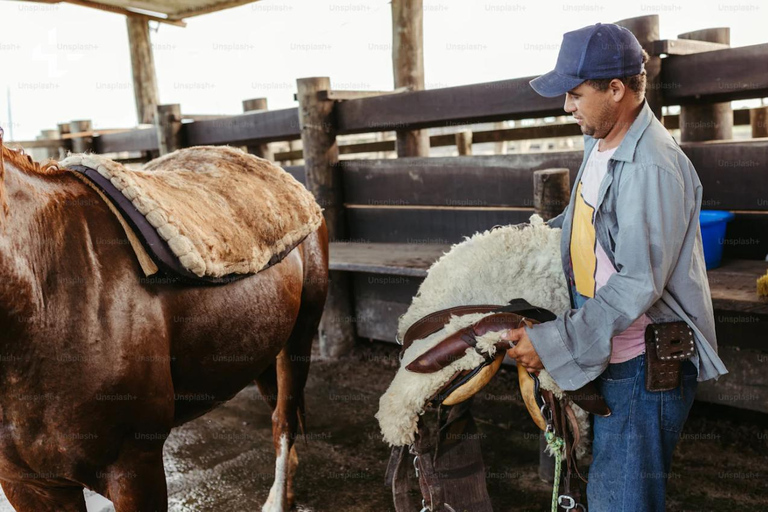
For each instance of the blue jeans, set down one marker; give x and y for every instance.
(632, 450)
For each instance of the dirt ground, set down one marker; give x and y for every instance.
(224, 461)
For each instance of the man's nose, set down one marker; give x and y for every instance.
(569, 104)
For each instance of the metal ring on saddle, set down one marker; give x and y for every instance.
(571, 502)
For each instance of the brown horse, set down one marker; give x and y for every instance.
(97, 366)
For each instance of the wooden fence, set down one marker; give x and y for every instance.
(391, 218)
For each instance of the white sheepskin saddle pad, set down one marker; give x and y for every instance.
(493, 267)
(222, 211)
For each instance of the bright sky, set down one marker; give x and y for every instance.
(62, 62)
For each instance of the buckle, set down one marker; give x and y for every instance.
(415, 465)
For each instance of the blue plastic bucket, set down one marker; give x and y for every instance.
(713, 224)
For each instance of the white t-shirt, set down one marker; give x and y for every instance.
(591, 265)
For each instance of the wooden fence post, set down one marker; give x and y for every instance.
(66, 144)
(646, 30)
(464, 142)
(323, 175)
(168, 125)
(758, 121)
(51, 152)
(408, 66)
(143, 66)
(708, 121)
(84, 143)
(261, 150)
(551, 192)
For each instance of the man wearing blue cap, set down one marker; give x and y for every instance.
(633, 256)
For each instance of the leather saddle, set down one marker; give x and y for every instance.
(449, 472)
(464, 385)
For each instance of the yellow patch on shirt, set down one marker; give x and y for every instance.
(583, 246)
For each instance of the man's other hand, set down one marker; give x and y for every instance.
(523, 351)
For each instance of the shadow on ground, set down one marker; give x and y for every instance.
(224, 461)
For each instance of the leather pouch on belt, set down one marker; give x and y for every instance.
(667, 345)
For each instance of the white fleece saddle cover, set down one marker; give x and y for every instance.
(221, 211)
(492, 267)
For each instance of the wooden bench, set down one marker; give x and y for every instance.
(386, 276)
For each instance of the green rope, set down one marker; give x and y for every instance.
(555, 445)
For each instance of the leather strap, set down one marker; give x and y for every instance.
(437, 320)
(433, 322)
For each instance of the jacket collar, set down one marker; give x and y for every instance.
(626, 150)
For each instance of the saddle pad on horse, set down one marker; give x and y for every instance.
(206, 212)
(490, 268)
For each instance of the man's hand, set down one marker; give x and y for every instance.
(523, 351)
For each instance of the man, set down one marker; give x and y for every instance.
(632, 255)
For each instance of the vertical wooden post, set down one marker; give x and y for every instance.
(408, 66)
(168, 126)
(708, 121)
(261, 150)
(323, 175)
(64, 129)
(758, 121)
(464, 142)
(551, 192)
(52, 152)
(143, 65)
(646, 30)
(84, 143)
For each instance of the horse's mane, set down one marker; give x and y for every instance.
(24, 163)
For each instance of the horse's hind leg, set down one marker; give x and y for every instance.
(292, 368)
(136, 481)
(26, 498)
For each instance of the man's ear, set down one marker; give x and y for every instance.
(618, 89)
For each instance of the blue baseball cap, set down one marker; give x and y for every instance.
(591, 53)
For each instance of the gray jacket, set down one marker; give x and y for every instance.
(647, 221)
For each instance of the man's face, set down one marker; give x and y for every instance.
(594, 110)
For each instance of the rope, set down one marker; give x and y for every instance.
(556, 445)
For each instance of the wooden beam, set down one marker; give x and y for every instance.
(143, 66)
(243, 129)
(685, 47)
(119, 10)
(493, 101)
(142, 139)
(213, 7)
(720, 75)
(732, 174)
(353, 95)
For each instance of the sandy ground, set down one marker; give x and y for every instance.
(224, 461)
